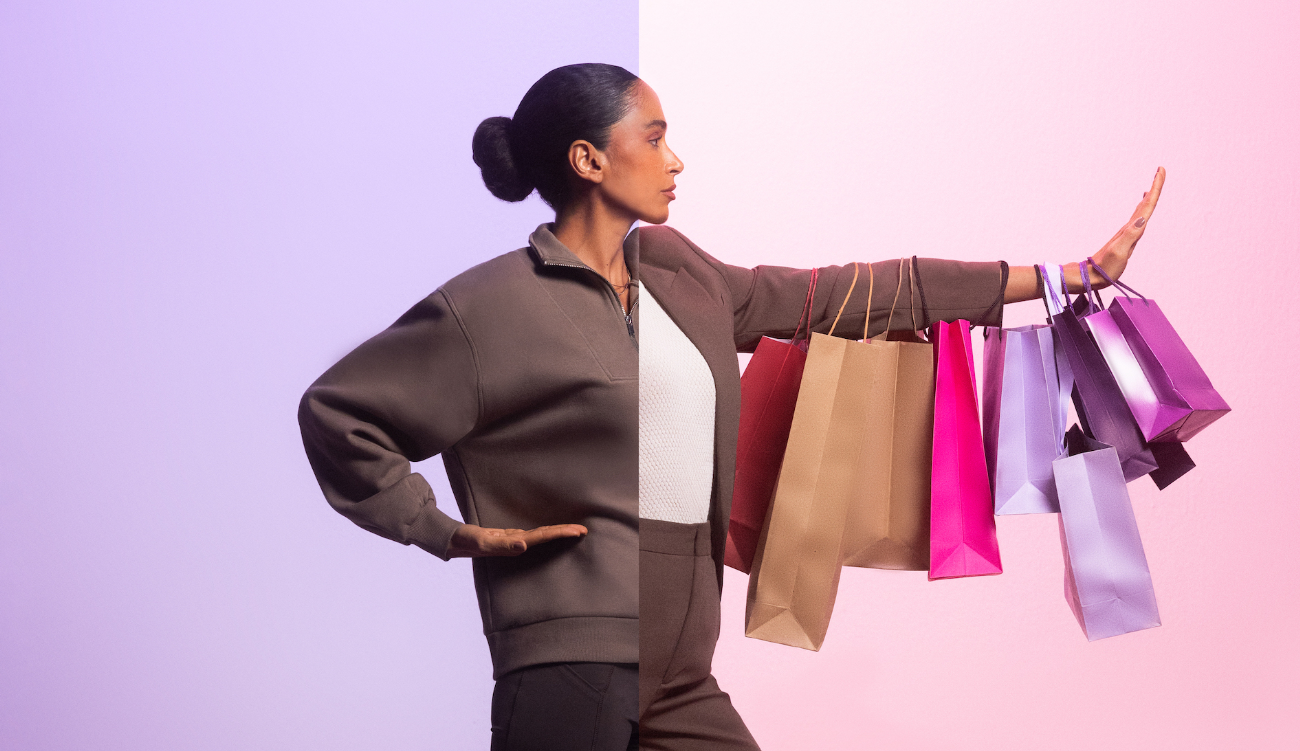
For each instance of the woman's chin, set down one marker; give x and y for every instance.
(656, 217)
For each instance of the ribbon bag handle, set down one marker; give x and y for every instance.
(1115, 282)
(1054, 289)
(1092, 295)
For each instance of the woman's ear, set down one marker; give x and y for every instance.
(587, 161)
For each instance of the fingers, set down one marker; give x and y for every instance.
(553, 532)
(474, 541)
(1149, 199)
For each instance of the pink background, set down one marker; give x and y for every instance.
(203, 205)
(1026, 131)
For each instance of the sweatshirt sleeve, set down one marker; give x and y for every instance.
(768, 300)
(405, 395)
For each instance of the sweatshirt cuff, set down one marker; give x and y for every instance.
(431, 529)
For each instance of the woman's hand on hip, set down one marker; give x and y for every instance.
(1114, 255)
(473, 541)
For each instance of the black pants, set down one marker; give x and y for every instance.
(566, 706)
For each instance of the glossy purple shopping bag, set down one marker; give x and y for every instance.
(1027, 384)
(1107, 580)
(1167, 391)
(1097, 397)
(963, 537)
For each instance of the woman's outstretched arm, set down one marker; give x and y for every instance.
(1022, 282)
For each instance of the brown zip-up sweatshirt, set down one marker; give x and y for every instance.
(522, 374)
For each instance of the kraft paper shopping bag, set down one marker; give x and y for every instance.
(888, 524)
(796, 567)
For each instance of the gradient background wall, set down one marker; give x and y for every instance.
(1026, 131)
(203, 206)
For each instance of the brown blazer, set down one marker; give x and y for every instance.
(727, 309)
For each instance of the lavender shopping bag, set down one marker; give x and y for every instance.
(1169, 394)
(1107, 581)
(963, 537)
(1027, 385)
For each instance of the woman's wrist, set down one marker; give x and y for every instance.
(1022, 281)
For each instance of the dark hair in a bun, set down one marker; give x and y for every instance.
(572, 103)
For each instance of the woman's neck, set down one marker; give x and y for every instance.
(595, 234)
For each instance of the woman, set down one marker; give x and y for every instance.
(598, 556)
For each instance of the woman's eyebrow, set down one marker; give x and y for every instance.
(656, 124)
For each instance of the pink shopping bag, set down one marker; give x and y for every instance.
(963, 537)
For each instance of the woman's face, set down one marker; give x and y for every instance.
(640, 169)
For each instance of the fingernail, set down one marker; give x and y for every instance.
(1141, 221)
(516, 546)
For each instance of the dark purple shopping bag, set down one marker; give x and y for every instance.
(1097, 397)
(1172, 398)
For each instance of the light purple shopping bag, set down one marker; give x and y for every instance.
(1168, 392)
(1107, 581)
(1027, 384)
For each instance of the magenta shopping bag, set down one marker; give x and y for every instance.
(963, 537)
(1169, 394)
(1107, 581)
(769, 389)
(1027, 384)
(1097, 397)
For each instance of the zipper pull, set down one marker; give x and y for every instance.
(627, 318)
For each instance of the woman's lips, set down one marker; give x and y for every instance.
(669, 192)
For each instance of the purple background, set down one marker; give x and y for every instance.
(202, 206)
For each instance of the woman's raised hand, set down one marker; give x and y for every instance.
(473, 541)
(1114, 255)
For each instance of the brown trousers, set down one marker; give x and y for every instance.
(681, 707)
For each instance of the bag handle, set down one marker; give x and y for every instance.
(1052, 282)
(1093, 296)
(889, 322)
(849, 294)
(1115, 282)
(806, 316)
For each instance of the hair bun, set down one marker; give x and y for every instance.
(493, 156)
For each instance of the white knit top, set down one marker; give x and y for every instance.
(677, 403)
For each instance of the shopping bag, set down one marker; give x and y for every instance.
(1107, 581)
(1027, 385)
(888, 524)
(1097, 398)
(768, 391)
(796, 567)
(1168, 392)
(963, 536)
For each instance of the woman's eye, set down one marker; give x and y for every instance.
(654, 142)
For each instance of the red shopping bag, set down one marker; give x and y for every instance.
(963, 537)
(769, 389)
